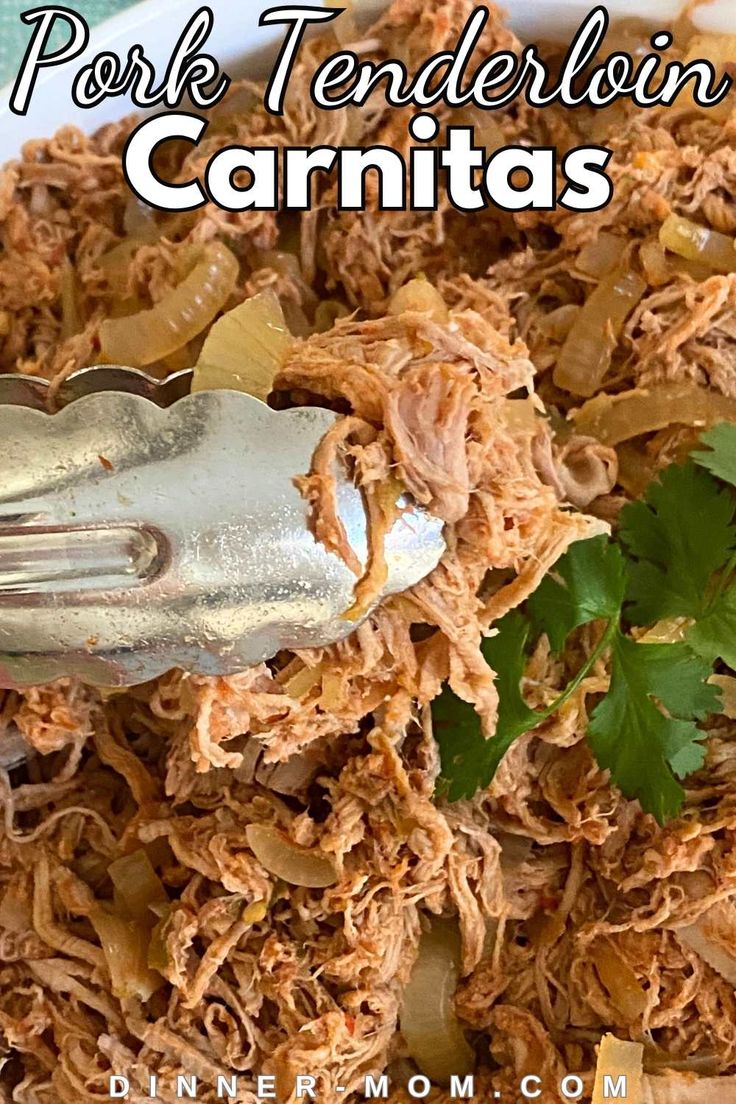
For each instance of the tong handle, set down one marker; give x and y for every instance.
(136, 537)
(57, 559)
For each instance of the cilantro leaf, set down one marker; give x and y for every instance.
(469, 760)
(644, 729)
(586, 584)
(720, 459)
(713, 636)
(677, 537)
(642, 747)
(505, 654)
(674, 676)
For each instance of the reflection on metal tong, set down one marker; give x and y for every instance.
(144, 528)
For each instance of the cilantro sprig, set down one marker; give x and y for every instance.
(676, 538)
(645, 749)
(681, 542)
(719, 458)
(675, 557)
(588, 584)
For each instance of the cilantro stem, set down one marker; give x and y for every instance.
(603, 643)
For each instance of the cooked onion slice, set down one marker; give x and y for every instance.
(713, 937)
(419, 295)
(139, 220)
(519, 415)
(137, 884)
(245, 348)
(429, 1025)
(125, 946)
(602, 255)
(280, 856)
(660, 268)
(586, 354)
(654, 262)
(616, 418)
(698, 243)
(618, 978)
(305, 679)
(617, 1058)
(140, 339)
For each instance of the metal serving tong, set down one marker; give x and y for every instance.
(144, 528)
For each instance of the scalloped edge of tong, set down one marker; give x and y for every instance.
(17, 389)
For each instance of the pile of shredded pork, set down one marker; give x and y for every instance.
(232, 876)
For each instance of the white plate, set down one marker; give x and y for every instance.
(242, 47)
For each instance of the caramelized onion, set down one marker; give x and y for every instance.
(333, 691)
(600, 256)
(698, 243)
(616, 418)
(659, 269)
(617, 1058)
(245, 348)
(428, 1022)
(558, 323)
(125, 946)
(280, 856)
(419, 295)
(654, 262)
(137, 885)
(139, 220)
(299, 685)
(383, 510)
(114, 264)
(157, 955)
(622, 984)
(586, 354)
(636, 469)
(150, 335)
(140, 228)
(519, 415)
(287, 265)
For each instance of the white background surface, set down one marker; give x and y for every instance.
(242, 47)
